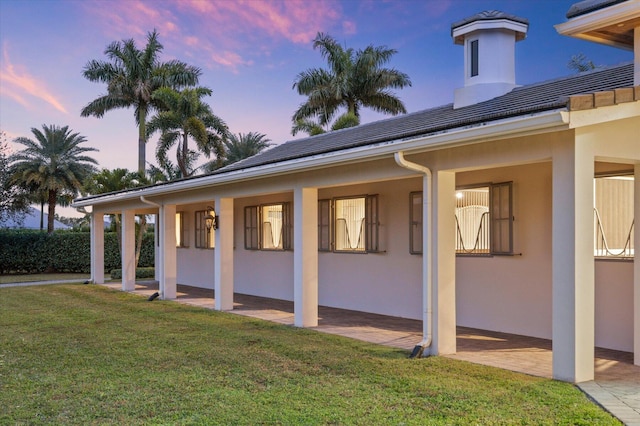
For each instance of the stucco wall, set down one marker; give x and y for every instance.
(614, 305)
(389, 282)
(512, 293)
(194, 265)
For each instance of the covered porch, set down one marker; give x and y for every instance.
(523, 354)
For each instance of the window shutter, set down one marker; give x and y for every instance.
(372, 225)
(251, 228)
(324, 225)
(501, 218)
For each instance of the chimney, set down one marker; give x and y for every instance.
(489, 40)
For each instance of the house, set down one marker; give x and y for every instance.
(478, 213)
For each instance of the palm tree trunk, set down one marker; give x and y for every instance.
(183, 152)
(142, 139)
(52, 210)
(41, 213)
(141, 231)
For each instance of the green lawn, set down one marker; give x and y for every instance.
(83, 354)
(23, 278)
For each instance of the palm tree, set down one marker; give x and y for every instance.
(355, 79)
(54, 162)
(312, 128)
(132, 75)
(183, 116)
(242, 146)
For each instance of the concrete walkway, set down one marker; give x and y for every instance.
(617, 381)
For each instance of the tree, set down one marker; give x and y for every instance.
(185, 116)
(132, 76)
(117, 180)
(312, 128)
(354, 79)
(580, 63)
(241, 146)
(54, 162)
(14, 200)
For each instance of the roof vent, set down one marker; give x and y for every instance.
(489, 40)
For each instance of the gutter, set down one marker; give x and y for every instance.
(461, 136)
(427, 285)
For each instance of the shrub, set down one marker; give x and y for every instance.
(116, 274)
(28, 251)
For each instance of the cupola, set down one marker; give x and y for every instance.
(489, 40)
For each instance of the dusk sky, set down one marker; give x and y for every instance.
(250, 53)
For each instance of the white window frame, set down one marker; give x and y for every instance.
(257, 223)
(500, 209)
(204, 238)
(329, 231)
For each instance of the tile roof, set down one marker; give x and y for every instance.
(488, 15)
(588, 6)
(529, 99)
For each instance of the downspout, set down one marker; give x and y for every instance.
(427, 287)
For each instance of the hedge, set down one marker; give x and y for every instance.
(116, 274)
(23, 251)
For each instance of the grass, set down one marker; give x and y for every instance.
(74, 354)
(24, 278)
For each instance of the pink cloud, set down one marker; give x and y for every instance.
(198, 27)
(349, 27)
(17, 83)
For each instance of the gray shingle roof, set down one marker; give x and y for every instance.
(488, 15)
(523, 100)
(588, 6)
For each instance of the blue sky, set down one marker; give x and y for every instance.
(250, 53)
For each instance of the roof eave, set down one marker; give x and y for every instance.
(521, 125)
(585, 26)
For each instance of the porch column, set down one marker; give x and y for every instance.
(128, 250)
(156, 245)
(223, 255)
(305, 257)
(444, 263)
(573, 260)
(166, 255)
(97, 247)
(636, 263)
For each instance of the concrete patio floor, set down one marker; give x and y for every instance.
(617, 381)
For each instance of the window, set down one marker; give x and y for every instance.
(473, 58)
(205, 234)
(613, 216)
(180, 241)
(483, 217)
(348, 224)
(268, 227)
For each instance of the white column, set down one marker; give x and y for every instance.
(636, 263)
(305, 257)
(444, 263)
(128, 250)
(97, 247)
(573, 261)
(156, 249)
(166, 258)
(223, 255)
